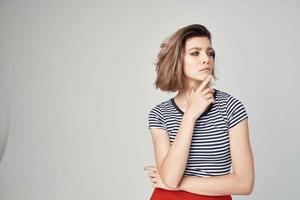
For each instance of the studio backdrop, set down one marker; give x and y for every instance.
(76, 86)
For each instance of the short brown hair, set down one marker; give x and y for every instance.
(170, 57)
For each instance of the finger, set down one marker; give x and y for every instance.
(207, 90)
(150, 171)
(151, 174)
(154, 180)
(204, 83)
(208, 96)
(211, 101)
(188, 97)
(150, 167)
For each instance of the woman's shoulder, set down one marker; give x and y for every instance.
(222, 95)
(160, 106)
(228, 100)
(234, 108)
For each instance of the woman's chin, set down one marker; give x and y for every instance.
(202, 76)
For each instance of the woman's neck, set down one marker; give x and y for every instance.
(183, 95)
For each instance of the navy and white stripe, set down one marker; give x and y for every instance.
(210, 149)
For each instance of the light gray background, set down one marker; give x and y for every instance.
(78, 78)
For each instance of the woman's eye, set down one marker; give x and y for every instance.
(211, 54)
(197, 53)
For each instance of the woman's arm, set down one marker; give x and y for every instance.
(171, 159)
(214, 186)
(174, 163)
(241, 181)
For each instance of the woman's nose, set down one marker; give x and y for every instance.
(204, 59)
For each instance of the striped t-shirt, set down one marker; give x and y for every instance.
(210, 148)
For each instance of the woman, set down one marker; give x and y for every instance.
(202, 131)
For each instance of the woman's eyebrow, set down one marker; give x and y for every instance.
(199, 48)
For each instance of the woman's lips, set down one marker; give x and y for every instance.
(206, 69)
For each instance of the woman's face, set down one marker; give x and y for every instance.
(198, 59)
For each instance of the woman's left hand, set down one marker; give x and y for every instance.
(155, 178)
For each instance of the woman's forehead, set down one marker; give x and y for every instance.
(198, 43)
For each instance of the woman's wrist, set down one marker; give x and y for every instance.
(188, 114)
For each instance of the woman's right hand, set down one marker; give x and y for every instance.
(200, 99)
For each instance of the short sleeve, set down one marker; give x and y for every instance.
(236, 111)
(156, 118)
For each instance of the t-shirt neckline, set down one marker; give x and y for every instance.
(182, 113)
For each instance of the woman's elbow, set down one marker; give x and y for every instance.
(172, 186)
(244, 184)
(170, 182)
(246, 190)
(247, 187)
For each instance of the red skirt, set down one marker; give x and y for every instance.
(162, 194)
